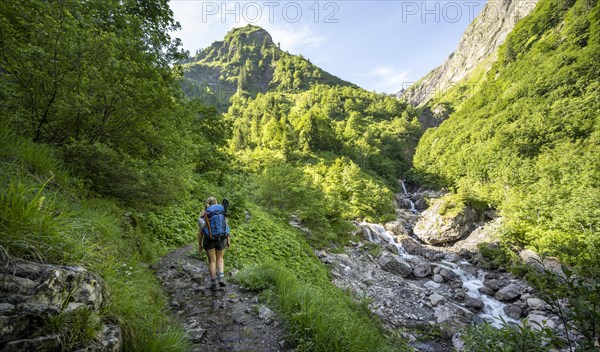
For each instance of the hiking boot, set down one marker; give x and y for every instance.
(213, 285)
(221, 279)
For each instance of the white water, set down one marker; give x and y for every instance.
(410, 202)
(377, 234)
(493, 310)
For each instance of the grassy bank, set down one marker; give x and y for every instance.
(47, 217)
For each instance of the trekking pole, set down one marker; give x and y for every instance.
(225, 204)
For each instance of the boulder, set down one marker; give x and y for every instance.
(532, 259)
(537, 321)
(536, 304)
(422, 269)
(550, 264)
(458, 343)
(34, 294)
(436, 299)
(431, 285)
(513, 311)
(433, 228)
(508, 293)
(438, 278)
(450, 312)
(266, 314)
(410, 245)
(448, 274)
(397, 228)
(394, 264)
(486, 291)
(493, 284)
(474, 303)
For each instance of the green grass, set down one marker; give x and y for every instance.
(318, 317)
(47, 217)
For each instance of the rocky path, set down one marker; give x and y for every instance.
(225, 320)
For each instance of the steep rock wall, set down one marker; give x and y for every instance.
(478, 42)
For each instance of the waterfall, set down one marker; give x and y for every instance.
(404, 188)
(376, 233)
(411, 204)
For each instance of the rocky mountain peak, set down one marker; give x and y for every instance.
(477, 44)
(250, 35)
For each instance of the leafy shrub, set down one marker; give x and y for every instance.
(509, 338)
(574, 296)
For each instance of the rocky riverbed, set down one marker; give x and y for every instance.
(414, 286)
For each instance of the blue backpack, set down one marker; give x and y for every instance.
(216, 227)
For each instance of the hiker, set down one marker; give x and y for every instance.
(213, 237)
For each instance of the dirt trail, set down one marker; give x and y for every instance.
(225, 320)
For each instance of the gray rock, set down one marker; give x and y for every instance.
(433, 228)
(492, 284)
(508, 293)
(187, 267)
(397, 228)
(422, 269)
(450, 312)
(549, 264)
(266, 314)
(486, 291)
(196, 334)
(436, 299)
(532, 259)
(431, 285)
(448, 274)
(538, 321)
(536, 304)
(34, 293)
(487, 32)
(513, 311)
(474, 303)
(458, 343)
(394, 264)
(438, 278)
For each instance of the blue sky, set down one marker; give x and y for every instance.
(379, 45)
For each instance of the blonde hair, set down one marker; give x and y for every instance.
(211, 200)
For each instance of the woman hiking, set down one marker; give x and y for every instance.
(213, 237)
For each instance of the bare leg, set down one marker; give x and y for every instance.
(212, 262)
(220, 262)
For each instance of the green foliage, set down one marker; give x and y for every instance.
(95, 78)
(264, 238)
(350, 193)
(75, 328)
(580, 289)
(526, 141)
(350, 145)
(375, 131)
(49, 219)
(245, 64)
(318, 317)
(522, 338)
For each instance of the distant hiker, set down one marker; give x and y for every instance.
(213, 237)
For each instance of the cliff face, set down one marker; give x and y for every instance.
(480, 40)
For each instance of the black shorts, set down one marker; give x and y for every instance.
(208, 243)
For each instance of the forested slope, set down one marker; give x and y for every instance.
(526, 139)
(248, 62)
(105, 164)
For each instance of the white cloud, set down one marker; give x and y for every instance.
(385, 79)
(294, 40)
